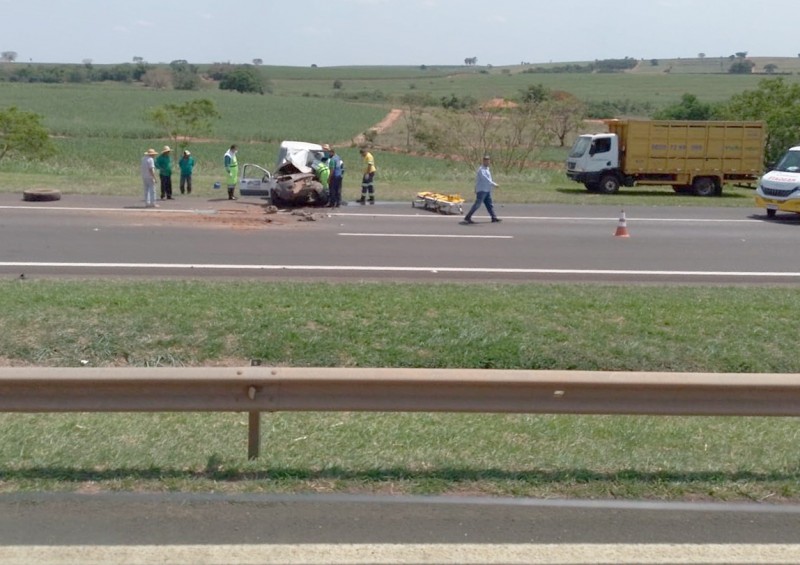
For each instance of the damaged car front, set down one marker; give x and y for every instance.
(294, 182)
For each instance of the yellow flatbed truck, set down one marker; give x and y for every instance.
(696, 157)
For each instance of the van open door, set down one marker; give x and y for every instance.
(255, 181)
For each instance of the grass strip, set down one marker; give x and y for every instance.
(513, 326)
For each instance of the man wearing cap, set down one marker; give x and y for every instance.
(164, 165)
(186, 165)
(149, 178)
(484, 185)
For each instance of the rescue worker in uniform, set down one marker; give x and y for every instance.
(368, 180)
(336, 166)
(232, 170)
(323, 172)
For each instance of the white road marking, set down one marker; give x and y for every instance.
(379, 268)
(565, 218)
(445, 236)
(402, 553)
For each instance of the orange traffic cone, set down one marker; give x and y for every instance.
(622, 227)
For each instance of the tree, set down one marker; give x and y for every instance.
(689, 108)
(243, 78)
(564, 115)
(183, 121)
(413, 107)
(534, 94)
(8, 56)
(157, 78)
(741, 67)
(258, 62)
(701, 55)
(513, 136)
(770, 68)
(23, 134)
(778, 105)
(184, 75)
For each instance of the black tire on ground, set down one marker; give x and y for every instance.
(771, 213)
(323, 197)
(609, 184)
(41, 195)
(704, 186)
(682, 189)
(591, 186)
(277, 201)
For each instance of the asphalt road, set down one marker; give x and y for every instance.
(186, 528)
(78, 236)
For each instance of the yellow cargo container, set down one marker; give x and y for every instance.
(691, 156)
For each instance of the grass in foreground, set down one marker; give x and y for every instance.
(396, 325)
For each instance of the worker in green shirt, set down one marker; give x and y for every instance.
(163, 165)
(186, 165)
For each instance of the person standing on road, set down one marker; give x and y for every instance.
(164, 165)
(368, 180)
(149, 178)
(232, 170)
(484, 186)
(336, 166)
(186, 165)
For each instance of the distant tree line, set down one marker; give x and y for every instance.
(178, 75)
(599, 66)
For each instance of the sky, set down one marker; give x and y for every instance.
(394, 32)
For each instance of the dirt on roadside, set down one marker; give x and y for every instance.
(237, 215)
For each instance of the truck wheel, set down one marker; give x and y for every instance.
(771, 213)
(609, 184)
(591, 186)
(704, 186)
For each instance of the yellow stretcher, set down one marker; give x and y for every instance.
(442, 203)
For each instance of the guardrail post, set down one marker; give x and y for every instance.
(254, 435)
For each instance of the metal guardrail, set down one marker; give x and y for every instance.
(274, 389)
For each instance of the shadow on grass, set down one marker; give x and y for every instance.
(214, 472)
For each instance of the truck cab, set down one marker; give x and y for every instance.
(779, 189)
(593, 159)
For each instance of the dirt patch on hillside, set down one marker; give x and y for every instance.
(381, 127)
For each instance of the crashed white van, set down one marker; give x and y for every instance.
(293, 182)
(779, 189)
